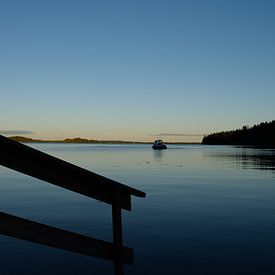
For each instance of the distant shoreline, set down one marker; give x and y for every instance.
(86, 141)
(260, 135)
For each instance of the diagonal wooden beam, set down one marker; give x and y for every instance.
(37, 164)
(54, 237)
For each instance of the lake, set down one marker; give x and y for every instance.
(208, 210)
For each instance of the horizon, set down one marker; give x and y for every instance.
(97, 140)
(134, 71)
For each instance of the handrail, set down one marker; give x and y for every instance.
(35, 163)
(32, 162)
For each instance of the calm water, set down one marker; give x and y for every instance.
(208, 210)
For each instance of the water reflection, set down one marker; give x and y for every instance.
(247, 158)
(158, 155)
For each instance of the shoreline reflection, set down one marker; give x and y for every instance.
(248, 158)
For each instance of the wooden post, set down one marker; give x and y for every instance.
(117, 233)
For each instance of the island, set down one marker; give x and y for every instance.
(71, 140)
(262, 135)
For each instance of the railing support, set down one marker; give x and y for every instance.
(117, 233)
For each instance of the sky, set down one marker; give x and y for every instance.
(135, 70)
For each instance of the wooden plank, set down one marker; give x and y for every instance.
(47, 235)
(37, 164)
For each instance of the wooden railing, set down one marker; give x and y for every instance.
(32, 162)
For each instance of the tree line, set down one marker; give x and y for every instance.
(262, 134)
(72, 140)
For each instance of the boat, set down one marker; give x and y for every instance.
(159, 145)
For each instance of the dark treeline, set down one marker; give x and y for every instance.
(79, 140)
(259, 135)
(71, 140)
(24, 139)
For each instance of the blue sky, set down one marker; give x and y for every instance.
(134, 69)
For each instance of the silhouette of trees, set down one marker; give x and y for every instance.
(66, 140)
(262, 134)
(72, 140)
(23, 139)
(79, 140)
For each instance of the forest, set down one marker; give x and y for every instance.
(262, 134)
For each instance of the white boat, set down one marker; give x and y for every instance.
(159, 145)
